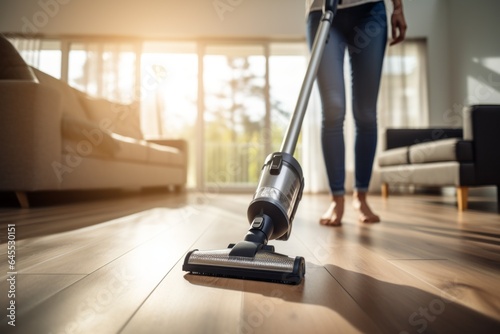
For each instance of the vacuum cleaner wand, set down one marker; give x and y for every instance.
(293, 131)
(272, 209)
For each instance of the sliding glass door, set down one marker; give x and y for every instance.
(234, 84)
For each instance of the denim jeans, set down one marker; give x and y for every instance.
(362, 30)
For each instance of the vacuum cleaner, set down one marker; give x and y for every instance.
(272, 209)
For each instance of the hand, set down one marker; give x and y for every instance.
(398, 26)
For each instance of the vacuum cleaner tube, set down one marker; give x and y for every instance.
(278, 193)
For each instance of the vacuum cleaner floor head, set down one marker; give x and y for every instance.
(265, 265)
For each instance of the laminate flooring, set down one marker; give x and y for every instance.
(115, 266)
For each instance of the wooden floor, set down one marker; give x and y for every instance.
(114, 266)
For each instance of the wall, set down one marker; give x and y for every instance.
(154, 18)
(429, 19)
(463, 54)
(474, 52)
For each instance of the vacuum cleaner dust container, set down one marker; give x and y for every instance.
(278, 193)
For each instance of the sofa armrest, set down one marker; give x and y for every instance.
(405, 136)
(30, 133)
(180, 144)
(484, 120)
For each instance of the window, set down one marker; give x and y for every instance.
(232, 102)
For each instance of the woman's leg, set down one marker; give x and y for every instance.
(366, 51)
(330, 80)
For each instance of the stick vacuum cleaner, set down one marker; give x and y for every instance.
(274, 203)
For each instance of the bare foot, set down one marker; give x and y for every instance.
(366, 215)
(334, 213)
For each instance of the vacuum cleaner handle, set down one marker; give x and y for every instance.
(331, 5)
(293, 131)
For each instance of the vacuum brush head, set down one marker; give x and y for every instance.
(266, 265)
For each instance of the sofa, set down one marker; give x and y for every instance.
(54, 137)
(442, 157)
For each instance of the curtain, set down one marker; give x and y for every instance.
(43, 54)
(403, 94)
(106, 70)
(29, 48)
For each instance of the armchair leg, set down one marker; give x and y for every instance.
(498, 198)
(462, 193)
(22, 198)
(385, 190)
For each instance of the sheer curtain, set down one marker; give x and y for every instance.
(43, 54)
(403, 102)
(105, 69)
(101, 69)
(29, 48)
(403, 93)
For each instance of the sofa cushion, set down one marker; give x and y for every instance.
(394, 157)
(12, 65)
(453, 149)
(123, 119)
(69, 96)
(436, 174)
(87, 136)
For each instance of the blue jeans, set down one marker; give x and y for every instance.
(362, 30)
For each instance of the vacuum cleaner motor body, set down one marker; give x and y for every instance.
(278, 193)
